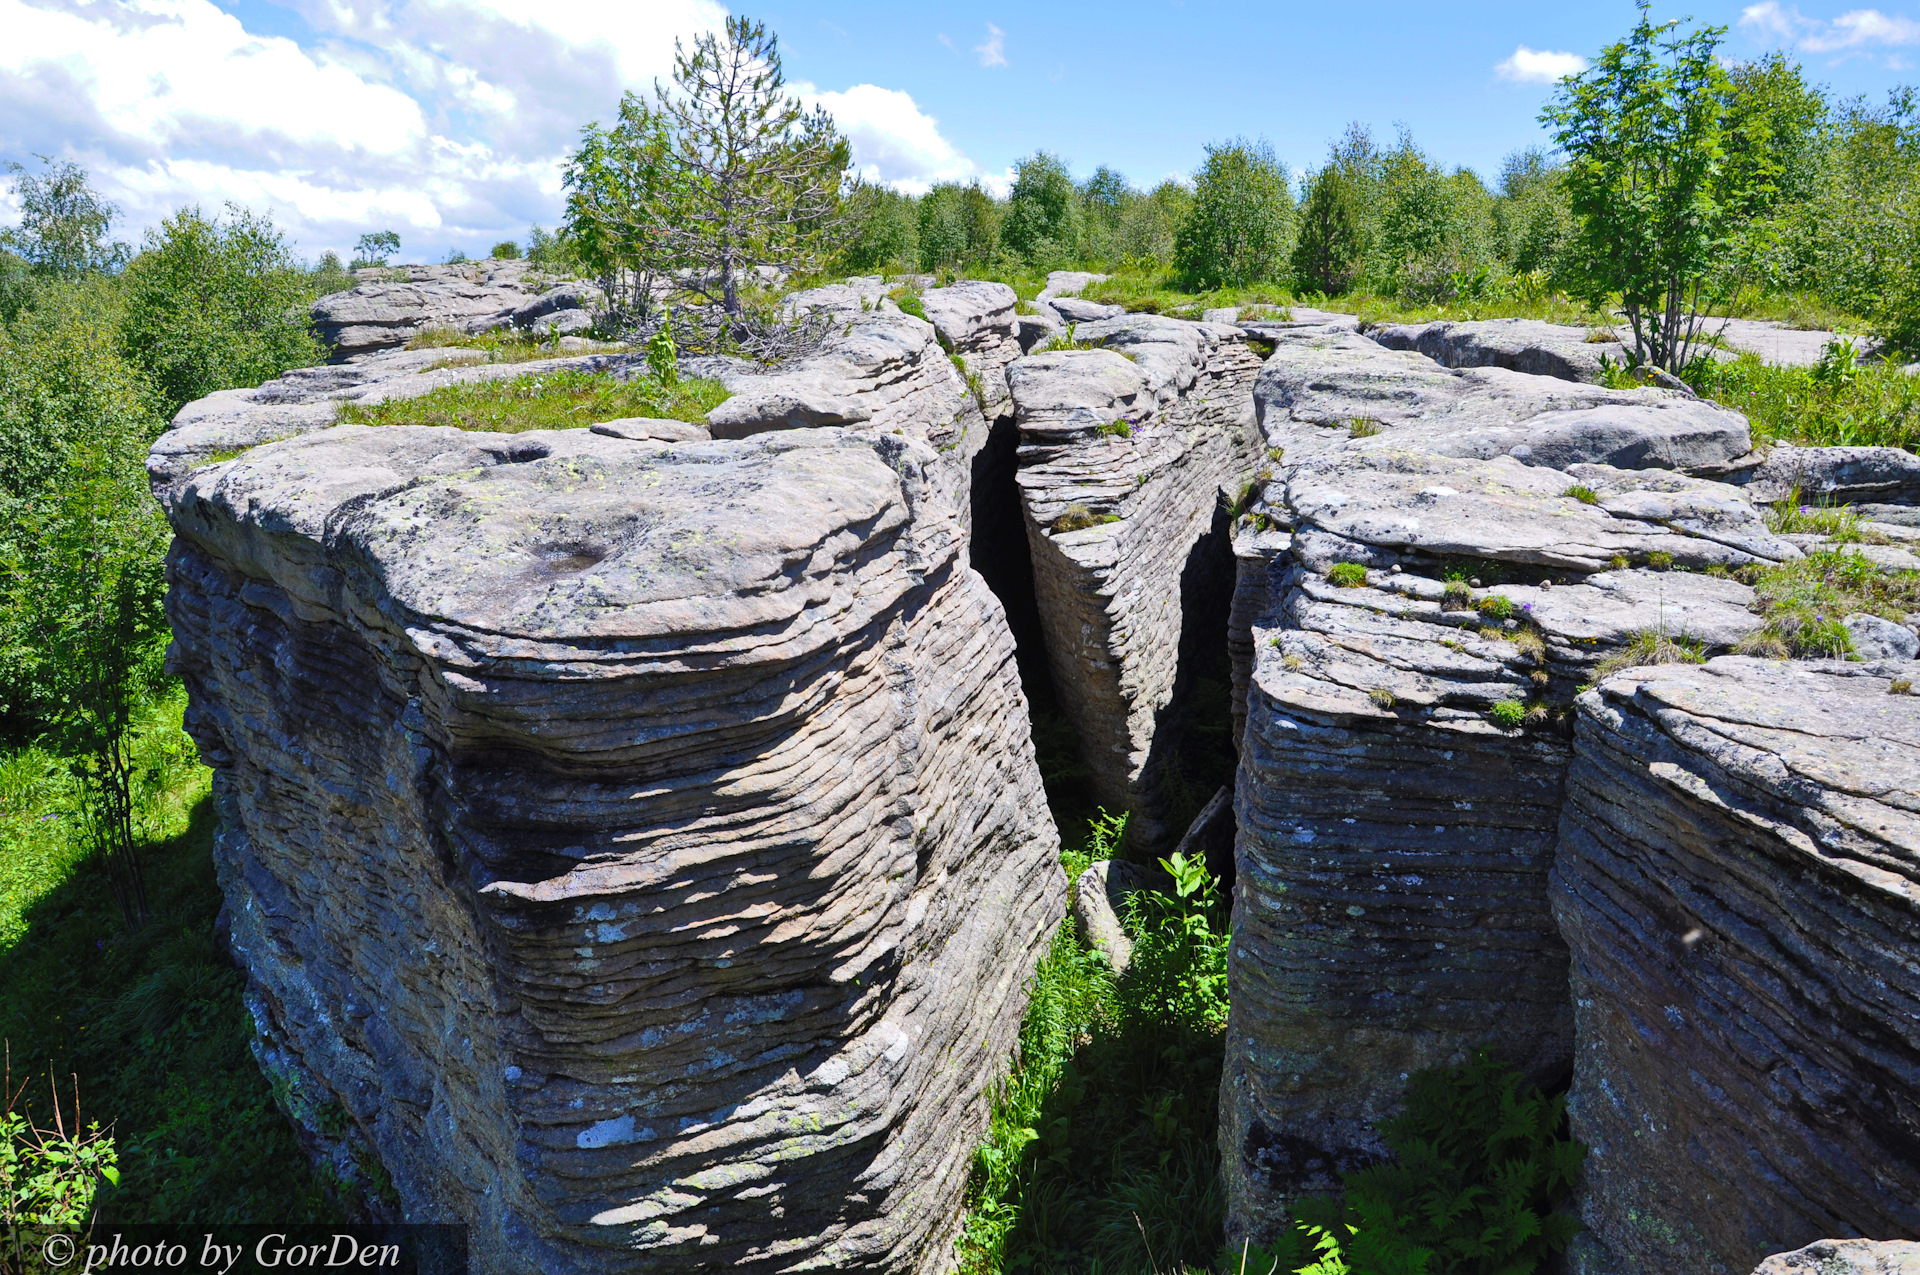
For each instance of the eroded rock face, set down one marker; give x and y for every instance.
(1738, 881)
(1395, 836)
(390, 307)
(1143, 449)
(1519, 345)
(1324, 386)
(1846, 1257)
(1838, 475)
(636, 845)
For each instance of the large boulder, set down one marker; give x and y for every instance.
(1402, 770)
(1326, 385)
(1846, 1257)
(635, 847)
(1738, 884)
(976, 323)
(389, 307)
(1838, 475)
(1126, 455)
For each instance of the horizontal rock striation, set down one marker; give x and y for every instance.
(636, 845)
(1519, 345)
(1395, 834)
(1738, 880)
(1126, 452)
(389, 307)
(1324, 386)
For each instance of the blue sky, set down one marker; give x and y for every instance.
(445, 120)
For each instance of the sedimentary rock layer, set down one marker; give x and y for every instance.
(388, 307)
(1519, 345)
(1394, 835)
(637, 846)
(1738, 879)
(1126, 454)
(1324, 386)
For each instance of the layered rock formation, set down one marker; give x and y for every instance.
(636, 845)
(1739, 882)
(1402, 770)
(1327, 385)
(1846, 1257)
(1519, 345)
(1126, 454)
(389, 307)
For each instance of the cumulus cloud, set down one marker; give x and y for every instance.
(1539, 66)
(1856, 31)
(994, 51)
(444, 120)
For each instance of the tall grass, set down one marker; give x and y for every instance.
(1837, 403)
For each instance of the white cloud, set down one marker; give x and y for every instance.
(1856, 31)
(1540, 66)
(444, 120)
(994, 51)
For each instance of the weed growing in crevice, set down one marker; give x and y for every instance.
(1805, 602)
(1652, 646)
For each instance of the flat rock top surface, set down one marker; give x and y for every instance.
(1500, 508)
(576, 536)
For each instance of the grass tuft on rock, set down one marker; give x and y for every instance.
(559, 398)
(1805, 603)
(1347, 575)
(1652, 646)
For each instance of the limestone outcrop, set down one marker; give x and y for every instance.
(1846, 1257)
(1838, 475)
(1324, 386)
(1127, 455)
(635, 845)
(1738, 880)
(389, 307)
(1519, 345)
(1403, 765)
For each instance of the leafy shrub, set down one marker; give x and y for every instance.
(1480, 1163)
(883, 231)
(1496, 607)
(563, 398)
(1043, 218)
(505, 250)
(1330, 249)
(1240, 228)
(1876, 406)
(48, 1176)
(1509, 713)
(956, 224)
(1347, 574)
(213, 305)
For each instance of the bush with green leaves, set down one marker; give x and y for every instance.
(50, 1174)
(1331, 248)
(1241, 225)
(212, 304)
(1043, 218)
(956, 224)
(1480, 1164)
(64, 223)
(883, 231)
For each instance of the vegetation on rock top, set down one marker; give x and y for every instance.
(558, 398)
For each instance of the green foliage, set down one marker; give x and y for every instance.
(1645, 130)
(1791, 515)
(1240, 228)
(1347, 574)
(563, 398)
(505, 250)
(1100, 1154)
(1510, 713)
(49, 1175)
(374, 248)
(1652, 646)
(1330, 251)
(63, 223)
(1043, 220)
(152, 1021)
(1479, 1164)
(884, 231)
(956, 224)
(1805, 602)
(1582, 493)
(213, 305)
(722, 176)
(1532, 222)
(662, 362)
(620, 181)
(908, 299)
(1873, 404)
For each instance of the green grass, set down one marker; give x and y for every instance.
(1805, 602)
(151, 1023)
(1838, 404)
(502, 345)
(1652, 646)
(1376, 308)
(566, 398)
